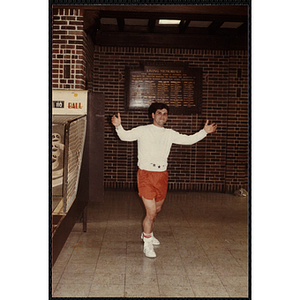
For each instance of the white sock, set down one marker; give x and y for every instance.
(151, 235)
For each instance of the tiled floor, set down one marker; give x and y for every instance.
(203, 251)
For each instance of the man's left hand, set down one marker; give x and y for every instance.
(210, 128)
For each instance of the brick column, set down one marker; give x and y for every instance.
(71, 50)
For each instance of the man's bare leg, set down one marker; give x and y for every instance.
(152, 209)
(148, 222)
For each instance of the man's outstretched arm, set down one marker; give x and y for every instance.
(124, 135)
(183, 139)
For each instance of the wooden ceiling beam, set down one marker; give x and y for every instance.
(216, 42)
(214, 27)
(121, 24)
(183, 25)
(171, 15)
(199, 9)
(243, 29)
(151, 25)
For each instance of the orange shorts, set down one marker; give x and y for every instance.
(152, 185)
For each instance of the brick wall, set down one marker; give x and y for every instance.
(219, 162)
(237, 124)
(72, 51)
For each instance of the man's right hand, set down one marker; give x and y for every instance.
(116, 121)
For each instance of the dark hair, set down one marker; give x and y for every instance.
(155, 106)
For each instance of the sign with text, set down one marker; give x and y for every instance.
(176, 85)
(69, 102)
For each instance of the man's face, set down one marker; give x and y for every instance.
(160, 117)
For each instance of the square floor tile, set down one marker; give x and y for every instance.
(72, 290)
(172, 291)
(174, 280)
(76, 278)
(141, 278)
(102, 290)
(80, 267)
(137, 290)
(236, 286)
(207, 286)
(108, 279)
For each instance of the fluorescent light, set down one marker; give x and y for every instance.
(168, 22)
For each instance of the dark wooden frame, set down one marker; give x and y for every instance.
(194, 75)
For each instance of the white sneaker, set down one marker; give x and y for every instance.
(155, 241)
(148, 248)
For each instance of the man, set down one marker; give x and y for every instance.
(154, 145)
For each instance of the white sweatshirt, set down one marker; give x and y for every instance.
(154, 144)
